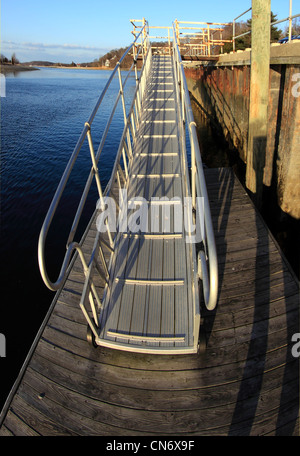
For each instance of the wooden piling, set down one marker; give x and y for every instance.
(259, 90)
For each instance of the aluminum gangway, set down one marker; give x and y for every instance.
(154, 243)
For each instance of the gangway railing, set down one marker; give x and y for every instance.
(200, 38)
(139, 47)
(207, 254)
(289, 19)
(193, 38)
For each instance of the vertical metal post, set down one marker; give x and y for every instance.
(137, 101)
(208, 39)
(221, 37)
(122, 93)
(193, 170)
(144, 36)
(182, 96)
(177, 32)
(233, 35)
(259, 96)
(96, 172)
(95, 167)
(290, 20)
(124, 108)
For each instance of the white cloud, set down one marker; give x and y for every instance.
(41, 46)
(58, 52)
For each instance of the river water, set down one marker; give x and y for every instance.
(42, 117)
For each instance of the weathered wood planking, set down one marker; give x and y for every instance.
(246, 384)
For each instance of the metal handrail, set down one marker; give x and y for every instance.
(198, 188)
(89, 292)
(203, 33)
(289, 18)
(86, 132)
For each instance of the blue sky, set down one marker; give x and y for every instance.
(78, 30)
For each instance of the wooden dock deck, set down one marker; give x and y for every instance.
(247, 383)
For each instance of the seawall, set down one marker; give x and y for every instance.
(222, 89)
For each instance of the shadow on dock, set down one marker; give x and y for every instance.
(247, 383)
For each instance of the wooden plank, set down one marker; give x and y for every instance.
(5, 432)
(169, 399)
(15, 426)
(108, 416)
(46, 422)
(178, 374)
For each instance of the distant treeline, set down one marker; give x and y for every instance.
(13, 60)
(110, 59)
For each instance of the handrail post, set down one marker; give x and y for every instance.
(290, 20)
(233, 35)
(95, 167)
(97, 177)
(124, 108)
(193, 170)
(208, 39)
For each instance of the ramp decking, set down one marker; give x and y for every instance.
(150, 303)
(246, 384)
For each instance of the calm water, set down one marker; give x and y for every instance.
(42, 117)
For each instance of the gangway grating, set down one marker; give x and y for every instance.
(156, 296)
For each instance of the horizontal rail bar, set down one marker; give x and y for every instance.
(207, 23)
(158, 27)
(153, 282)
(146, 338)
(286, 19)
(153, 236)
(272, 23)
(242, 14)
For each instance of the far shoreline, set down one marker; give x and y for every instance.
(75, 67)
(9, 68)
